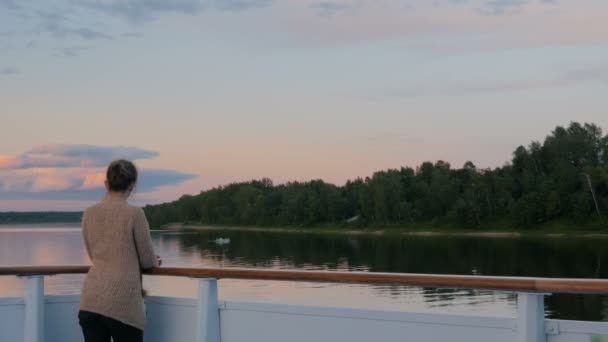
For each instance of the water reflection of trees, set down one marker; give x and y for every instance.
(535, 257)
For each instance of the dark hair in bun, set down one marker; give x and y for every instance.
(121, 175)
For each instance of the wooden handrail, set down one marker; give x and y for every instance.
(517, 284)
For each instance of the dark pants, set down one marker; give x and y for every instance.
(99, 328)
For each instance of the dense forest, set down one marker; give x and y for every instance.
(39, 217)
(563, 179)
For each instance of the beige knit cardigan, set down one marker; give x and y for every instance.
(117, 238)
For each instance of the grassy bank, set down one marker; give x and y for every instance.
(498, 229)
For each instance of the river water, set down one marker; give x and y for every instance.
(537, 257)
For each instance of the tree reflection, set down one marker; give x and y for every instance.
(533, 257)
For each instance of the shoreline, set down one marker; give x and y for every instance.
(41, 224)
(386, 231)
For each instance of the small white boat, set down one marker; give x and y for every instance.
(222, 241)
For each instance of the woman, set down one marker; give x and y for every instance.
(117, 238)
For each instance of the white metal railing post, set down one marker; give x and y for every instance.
(208, 312)
(34, 309)
(531, 317)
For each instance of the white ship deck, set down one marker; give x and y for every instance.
(37, 318)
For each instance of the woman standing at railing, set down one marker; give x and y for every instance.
(117, 238)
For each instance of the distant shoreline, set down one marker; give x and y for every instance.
(40, 224)
(389, 231)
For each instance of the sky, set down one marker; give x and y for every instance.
(201, 93)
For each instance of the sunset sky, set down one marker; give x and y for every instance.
(206, 92)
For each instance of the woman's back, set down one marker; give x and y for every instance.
(117, 239)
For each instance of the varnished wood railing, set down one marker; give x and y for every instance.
(516, 284)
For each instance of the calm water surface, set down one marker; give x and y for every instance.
(539, 257)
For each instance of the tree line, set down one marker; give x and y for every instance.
(564, 178)
(39, 217)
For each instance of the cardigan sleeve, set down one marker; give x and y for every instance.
(85, 239)
(143, 241)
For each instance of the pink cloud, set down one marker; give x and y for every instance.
(44, 179)
(66, 156)
(68, 172)
(93, 181)
(9, 162)
(50, 180)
